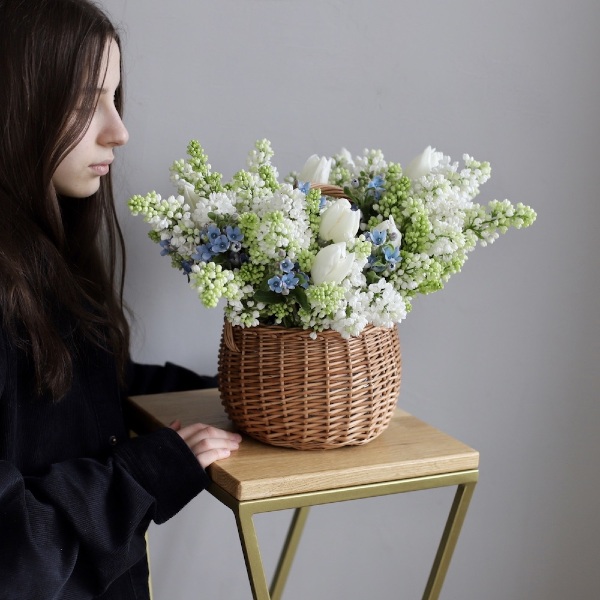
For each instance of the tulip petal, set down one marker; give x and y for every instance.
(332, 263)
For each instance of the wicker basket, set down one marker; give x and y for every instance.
(284, 388)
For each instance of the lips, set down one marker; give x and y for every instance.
(101, 168)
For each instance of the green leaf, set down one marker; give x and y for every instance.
(269, 297)
(349, 192)
(372, 277)
(300, 295)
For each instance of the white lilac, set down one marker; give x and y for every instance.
(280, 253)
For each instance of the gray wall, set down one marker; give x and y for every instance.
(505, 359)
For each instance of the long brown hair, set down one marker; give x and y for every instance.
(59, 257)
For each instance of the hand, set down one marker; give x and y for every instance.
(206, 442)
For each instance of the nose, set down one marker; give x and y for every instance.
(114, 133)
(120, 135)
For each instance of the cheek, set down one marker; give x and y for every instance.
(62, 175)
(73, 176)
(67, 165)
(76, 159)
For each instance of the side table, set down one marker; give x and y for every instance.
(409, 456)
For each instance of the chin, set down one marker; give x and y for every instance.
(78, 193)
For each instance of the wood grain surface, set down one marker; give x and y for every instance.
(408, 448)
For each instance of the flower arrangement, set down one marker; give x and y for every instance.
(293, 253)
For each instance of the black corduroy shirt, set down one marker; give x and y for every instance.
(76, 494)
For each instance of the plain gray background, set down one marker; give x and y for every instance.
(505, 358)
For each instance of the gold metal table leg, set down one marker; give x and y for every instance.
(288, 552)
(448, 542)
(252, 556)
(245, 510)
(254, 565)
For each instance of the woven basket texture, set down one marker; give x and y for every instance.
(284, 388)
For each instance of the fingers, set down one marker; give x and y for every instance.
(175, 425)
(203, 429)
(207, 458)
(197, 432)
(209, 443)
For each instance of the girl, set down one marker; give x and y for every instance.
(76, 496)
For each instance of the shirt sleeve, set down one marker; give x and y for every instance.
(72, 530)
(157, 379)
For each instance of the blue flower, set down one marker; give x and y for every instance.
(375, 263)
(234, 234)
(220, 244)
(378, 236)
(286, 265)
(392, 255)
(186, 267)
(304, 186)
(289, 281)
(213, 233)
(276, 284)
(283, 284)
(235, 246)
(376, 184)
(166, 247)
(203, 253)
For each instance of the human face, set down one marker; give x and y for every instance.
(78, 175)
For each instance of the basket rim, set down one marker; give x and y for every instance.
(283, 328)
(280, 330)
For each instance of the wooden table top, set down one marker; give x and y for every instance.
(408, 448)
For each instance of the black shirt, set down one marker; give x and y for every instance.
(76, 494)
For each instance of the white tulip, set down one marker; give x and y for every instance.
(423, 163)
(188, 191)
(316, 170)
(393, 237)
(339, 223)
(332, 264)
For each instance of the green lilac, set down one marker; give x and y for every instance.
(426, 220)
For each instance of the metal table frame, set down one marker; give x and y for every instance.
(244, 512)
(427, 458)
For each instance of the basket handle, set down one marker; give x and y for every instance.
(228, 338)
(335, 191)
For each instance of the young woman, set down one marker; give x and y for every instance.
(76, 495)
